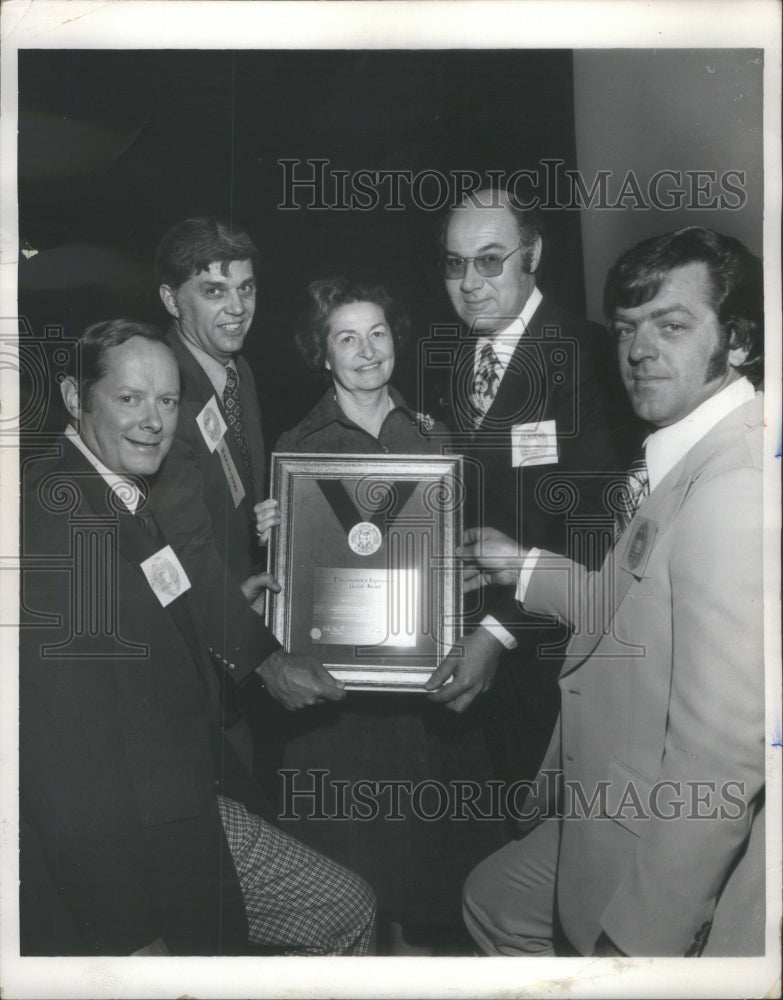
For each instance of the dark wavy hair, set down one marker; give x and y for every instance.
(328, 294)
(87, 364)
(190, 246)
(735, 273)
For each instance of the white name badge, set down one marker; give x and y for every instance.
(534, 444)
(165, 575)
(232, 476)
(211, 424)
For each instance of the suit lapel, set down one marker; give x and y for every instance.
(525, 390)
(198, 390)
(622, 566)
(135, 545)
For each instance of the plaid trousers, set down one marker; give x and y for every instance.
(296, 899)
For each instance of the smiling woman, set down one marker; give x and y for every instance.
(352, 331)
(414, 863)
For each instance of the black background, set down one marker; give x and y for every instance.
(116, 146)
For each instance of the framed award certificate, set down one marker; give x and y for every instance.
(365, 557)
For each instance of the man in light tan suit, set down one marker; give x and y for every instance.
(646, 832)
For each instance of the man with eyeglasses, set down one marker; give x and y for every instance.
(538, 431)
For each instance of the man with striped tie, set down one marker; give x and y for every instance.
(210, 488)
(540, 433)
(656, 846)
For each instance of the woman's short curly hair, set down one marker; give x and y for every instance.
(328, 294)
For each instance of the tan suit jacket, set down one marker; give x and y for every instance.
(663, 713)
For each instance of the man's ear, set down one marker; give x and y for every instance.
(534, 256)
(70, 394)
(739, 348)
(169, 299)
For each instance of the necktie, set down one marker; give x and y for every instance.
(145, 515)
(485, 381)
(635, 489)
(233, 409)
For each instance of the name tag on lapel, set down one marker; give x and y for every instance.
(641, 535)
(232, 475)
(213, 429)
(534, 444)
(165, 575)
(211, 424)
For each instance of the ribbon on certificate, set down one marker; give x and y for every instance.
(347, 513)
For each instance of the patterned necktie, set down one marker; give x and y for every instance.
(233, 409)
(635, 490)
(485, 381)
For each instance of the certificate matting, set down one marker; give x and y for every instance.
(365, 556)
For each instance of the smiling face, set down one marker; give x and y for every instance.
(214, 310)
(488, 304)
(671, 351)
(131, 413)
(359, 347)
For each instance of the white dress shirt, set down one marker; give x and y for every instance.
(504, 343)
(665, 447)
(214, 370)
(125, 491)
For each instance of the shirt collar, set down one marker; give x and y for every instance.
(665, 447)
(126, 491)
(327, 411)
(504, 343)
(214, 370)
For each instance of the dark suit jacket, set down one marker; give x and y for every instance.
(195, 509)
(562, 371)
(121, 756)
(192, 466)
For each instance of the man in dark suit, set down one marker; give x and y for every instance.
(138, 831)
(210, 489)
(539, 431)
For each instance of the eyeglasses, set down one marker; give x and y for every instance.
(488, 265)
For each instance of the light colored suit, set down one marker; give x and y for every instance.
(663, 687)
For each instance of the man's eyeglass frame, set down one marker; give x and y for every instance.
(488, 265)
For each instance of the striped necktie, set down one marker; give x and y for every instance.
(233, 408)
(485, 381)
(633, 494)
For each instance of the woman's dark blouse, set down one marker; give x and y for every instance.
(327, 430)
(416, 866)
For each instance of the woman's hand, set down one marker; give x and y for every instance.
(267, 517)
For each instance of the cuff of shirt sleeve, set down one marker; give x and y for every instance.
(525, 573)
(502, 634)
